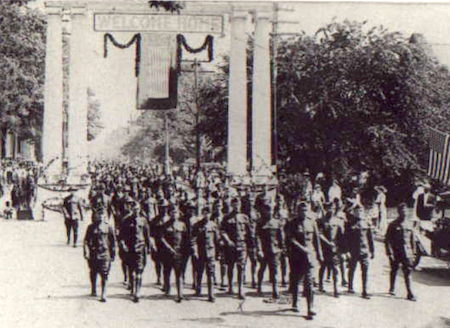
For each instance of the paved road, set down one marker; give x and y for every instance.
(44, 283)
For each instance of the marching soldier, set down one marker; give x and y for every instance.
(302, 236)
(99, 249)
(249, 209)
(118, 213)
(135, 243)
(73, 213)
(332, 236)
(204, 243)
(270, 245)
(359, 237)
(173, 246)
(235, 230)
(400, 245)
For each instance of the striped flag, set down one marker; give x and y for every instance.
(439, 162)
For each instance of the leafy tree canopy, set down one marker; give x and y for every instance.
(350, 98)
(22, 40)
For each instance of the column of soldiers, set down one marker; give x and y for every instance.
(176, 219)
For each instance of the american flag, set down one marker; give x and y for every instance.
(439, 162)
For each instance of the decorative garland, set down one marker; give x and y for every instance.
(136, 38)
(181, 43)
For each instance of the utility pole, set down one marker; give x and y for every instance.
(198, 143)
(275, 35)
(167, 145)
(274, 84)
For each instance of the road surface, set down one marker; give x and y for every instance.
(44, 283)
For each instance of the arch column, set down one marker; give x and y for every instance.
(262, 98)
(52, 134)
(77, 112)
(237, 101)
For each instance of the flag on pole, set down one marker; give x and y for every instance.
(158, 77)
(439, 160)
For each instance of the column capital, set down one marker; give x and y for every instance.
(262, 14)
(239, 14)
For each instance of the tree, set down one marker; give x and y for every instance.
(349, 98)
(22, 39)
(171, 6)
(95, 125)
(149, 142)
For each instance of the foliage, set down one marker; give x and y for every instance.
(171, 6)
(349, 98)
(22, 39)
(95, 125)
(149, 143)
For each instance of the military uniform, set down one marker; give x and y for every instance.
(134, 239)
(400, 244)
(73, 213)
(302, 238)
(204, 241)
(173, 245)
(236, 234)
(100, 251)
(333, 245)
(270, 245)
(359, 238)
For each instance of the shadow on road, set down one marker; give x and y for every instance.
(66, 297)
(432, 276)
(441, 322)
(213, 320)
(259, 313)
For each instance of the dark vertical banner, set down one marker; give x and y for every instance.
(158, 77)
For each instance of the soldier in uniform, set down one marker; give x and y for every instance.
(134, 239)
(359, 238)
(302, 236)
(270, 245)
(332, 236)
(173, 244)
(73, 213)
(155, 230)
(235, 232)
(400, 244)
(204, 242)
(117, 206)
(99, 249)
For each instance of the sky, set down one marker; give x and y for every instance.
(114, 83)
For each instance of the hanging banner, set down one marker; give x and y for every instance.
(158, 77)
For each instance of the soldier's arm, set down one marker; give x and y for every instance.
(387, 241)
(413, 241)
(148, 241)
(340, 239)
(324, 239)
(224, 234)
(370, 239)
(87, 239)
(193, 238)
(258, 240)
(167, 245)
(80, 208)
(317, 244)
(112, 243)
(282, 238)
